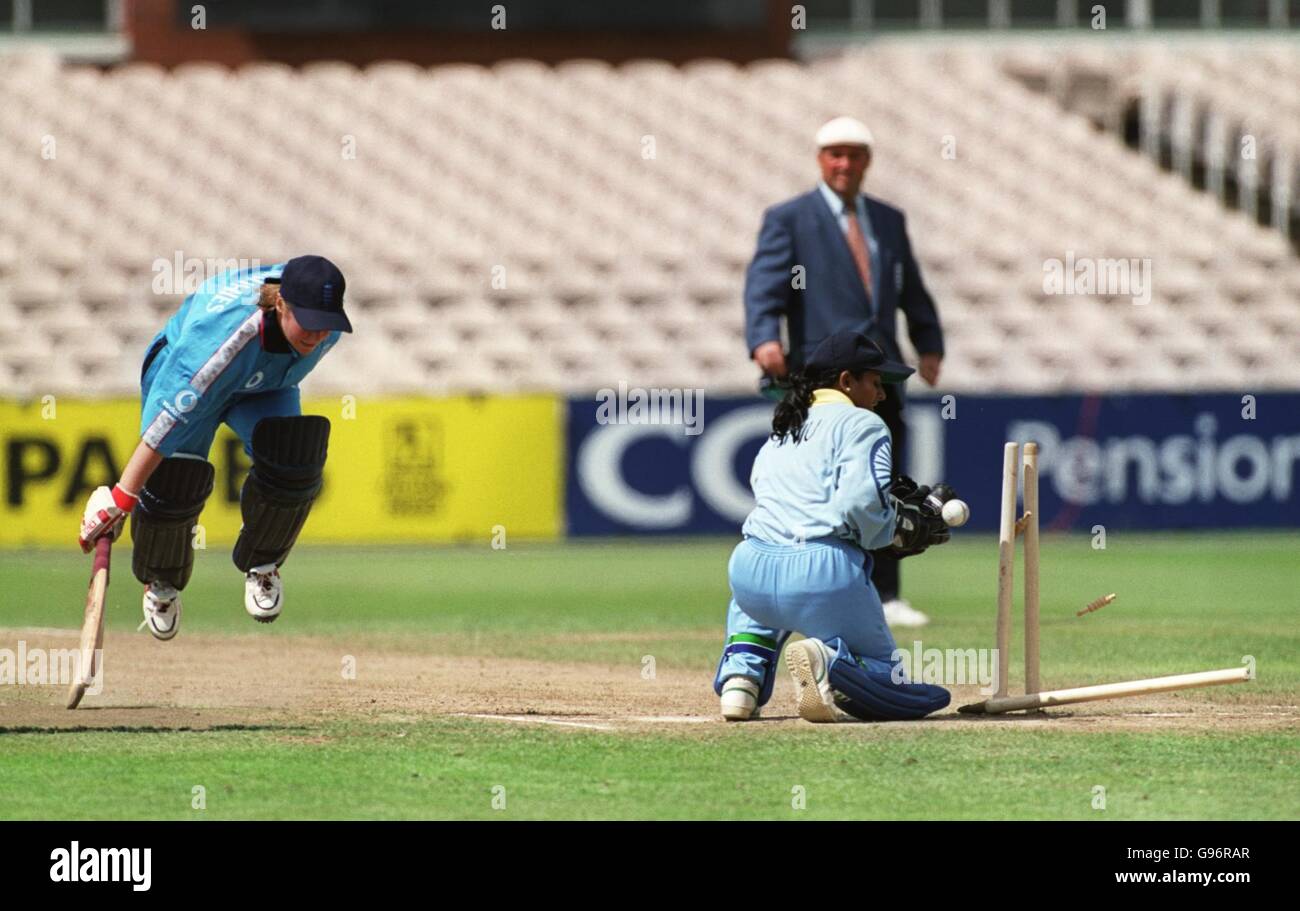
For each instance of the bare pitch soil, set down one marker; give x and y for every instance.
(201, 682)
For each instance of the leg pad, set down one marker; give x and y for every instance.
(765, 649)
(866, 689)
(162, 523)
(286, 477)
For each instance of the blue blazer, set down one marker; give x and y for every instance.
(803, 232)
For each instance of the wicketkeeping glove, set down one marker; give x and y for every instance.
(907, 490)
(914, 530)
(919, 523)
(938, 495)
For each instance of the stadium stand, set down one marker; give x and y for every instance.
(1222, 114)
(507, 228)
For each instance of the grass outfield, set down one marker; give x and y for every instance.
(1186, 602)
(448, 769)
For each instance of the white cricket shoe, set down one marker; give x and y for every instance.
(809, 662)
(263, 593)
(162, 610)
(739, 699)
(899, 613)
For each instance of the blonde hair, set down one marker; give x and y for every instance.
(270, 296)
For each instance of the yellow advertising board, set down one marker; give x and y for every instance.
(399, 470)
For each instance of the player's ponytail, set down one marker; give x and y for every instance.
(792, 411)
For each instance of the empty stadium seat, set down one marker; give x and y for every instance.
(623, 203)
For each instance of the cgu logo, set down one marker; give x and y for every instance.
(34, 463)
(712, 474)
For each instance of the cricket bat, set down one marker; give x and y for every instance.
(92, 625)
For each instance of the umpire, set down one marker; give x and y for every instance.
(835, 258)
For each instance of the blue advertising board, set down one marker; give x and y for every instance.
(1121, 461)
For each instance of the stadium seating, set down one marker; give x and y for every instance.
(1231, 108)
(523, 227)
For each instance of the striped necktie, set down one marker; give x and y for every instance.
(858, 246)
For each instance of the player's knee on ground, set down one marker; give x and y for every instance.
(162, 523)
(870, 693)
(286, 477)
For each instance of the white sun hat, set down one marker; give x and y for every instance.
(844, 131)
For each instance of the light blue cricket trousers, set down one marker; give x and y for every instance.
(821, 589)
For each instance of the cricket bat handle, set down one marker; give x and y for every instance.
(103, 547)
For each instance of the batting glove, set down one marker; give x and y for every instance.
(104, 516)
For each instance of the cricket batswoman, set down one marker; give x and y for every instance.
(824, 498)
(234, 353)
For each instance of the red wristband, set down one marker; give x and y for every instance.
(124, 500)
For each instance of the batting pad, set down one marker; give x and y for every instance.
(865, 688)
(286, 477)
(162, 522)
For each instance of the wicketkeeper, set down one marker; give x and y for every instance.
(234, 353)
(825, 497)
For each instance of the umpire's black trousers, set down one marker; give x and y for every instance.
(885, 574)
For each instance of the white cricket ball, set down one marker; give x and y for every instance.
(955, 513)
